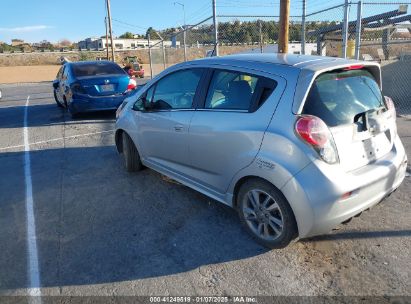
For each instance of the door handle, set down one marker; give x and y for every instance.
(178, 128)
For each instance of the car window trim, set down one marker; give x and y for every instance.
(262, 84)
(203, 88)
(257, 94)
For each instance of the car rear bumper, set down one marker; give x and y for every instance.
(316, 194)
(95, 103)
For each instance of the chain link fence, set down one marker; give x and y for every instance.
(181, 44)
(388, 41)
(375, 31)
(324, 29)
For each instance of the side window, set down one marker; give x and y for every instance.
(230, 90)
(238, 91)
(149, 94)
(139, 104)
(177, 90)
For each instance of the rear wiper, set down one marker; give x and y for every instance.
(364, 117)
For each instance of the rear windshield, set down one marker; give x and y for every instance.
(337, 97)
(94, 69)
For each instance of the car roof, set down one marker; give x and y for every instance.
(303, 62)
(90, 62)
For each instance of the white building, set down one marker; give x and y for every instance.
(293, 48)
(122, 44)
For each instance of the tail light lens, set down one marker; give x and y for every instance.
(316, 133)
(390, 105)
(77, 88)
(132, 84)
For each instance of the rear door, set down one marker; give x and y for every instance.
(227, 130)
(350, 102)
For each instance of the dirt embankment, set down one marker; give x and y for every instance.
(53, 58)
(172, 55)
(34, 73)
(37, 67)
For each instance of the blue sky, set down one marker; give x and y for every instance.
(35, 20)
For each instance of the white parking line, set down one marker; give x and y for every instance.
(33, 261)
(57, 139)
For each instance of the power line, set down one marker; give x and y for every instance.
(129, 24)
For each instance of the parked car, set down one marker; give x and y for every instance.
(297, 144)
(91, 86)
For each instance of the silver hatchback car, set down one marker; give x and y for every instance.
(297, 144)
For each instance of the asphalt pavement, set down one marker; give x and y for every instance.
(103, 231)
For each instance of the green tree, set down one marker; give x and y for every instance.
(153, 33)
(127, 35)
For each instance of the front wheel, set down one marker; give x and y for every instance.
(266, 214)
(131, 156)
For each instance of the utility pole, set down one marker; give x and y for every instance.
(150, 55)
(284, 20)
(303, 28)
(105, 21)
(261, 36)
(184, 29)
(111, 29)
(215, 27)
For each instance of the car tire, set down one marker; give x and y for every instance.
(56, 99)
(131, 156)
(72, 112)
(266, 214)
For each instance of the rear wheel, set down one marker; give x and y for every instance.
(266, 214)
(72, 112)
(131, 156)
(57, 100)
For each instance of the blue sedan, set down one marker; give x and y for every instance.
(91, 86)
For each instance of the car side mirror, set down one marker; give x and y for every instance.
(142, 105)
(55, 84)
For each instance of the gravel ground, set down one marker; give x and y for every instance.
(103, 231)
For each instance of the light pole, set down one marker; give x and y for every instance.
(184, 29)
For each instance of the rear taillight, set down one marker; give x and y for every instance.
(315, 132)
(77, 88)
(390, 105)
(132, 84)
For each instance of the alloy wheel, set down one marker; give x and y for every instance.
(262, 214)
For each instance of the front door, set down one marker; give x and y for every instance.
(163, 128)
